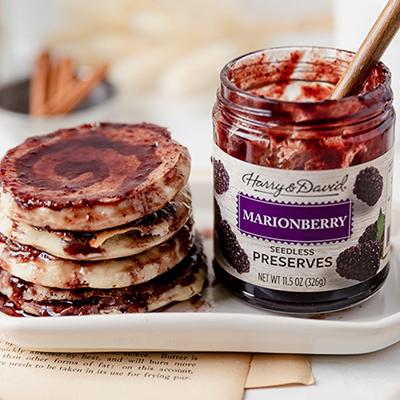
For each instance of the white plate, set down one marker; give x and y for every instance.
(226, 324)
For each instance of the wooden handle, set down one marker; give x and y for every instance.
(370, 51)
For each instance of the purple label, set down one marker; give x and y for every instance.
(298, 223)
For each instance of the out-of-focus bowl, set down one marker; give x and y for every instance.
(16, 124)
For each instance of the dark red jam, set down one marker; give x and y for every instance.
(7, 307)
(302, 183)
(77, 166)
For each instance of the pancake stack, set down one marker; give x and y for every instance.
(97, 219)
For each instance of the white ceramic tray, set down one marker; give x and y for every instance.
(222, 323)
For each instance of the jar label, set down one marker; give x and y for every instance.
(302, 231)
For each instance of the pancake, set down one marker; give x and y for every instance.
(92, 177)
(124, 241)
(181, 283)
(39, 267)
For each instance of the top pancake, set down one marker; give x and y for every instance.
(92, 177)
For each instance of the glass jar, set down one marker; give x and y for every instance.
(302, 183)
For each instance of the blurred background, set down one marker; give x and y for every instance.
(164, 56)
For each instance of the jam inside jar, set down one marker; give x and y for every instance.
(302, 184)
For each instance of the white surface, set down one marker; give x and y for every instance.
(230, 325)
(367, 377)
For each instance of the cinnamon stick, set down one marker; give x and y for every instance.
(66, 74)
(53, 80)
(74, 93)
(38, 84)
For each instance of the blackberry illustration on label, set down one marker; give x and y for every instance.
(221, 177)
(363, 260)
(302, 183)
(368, 186)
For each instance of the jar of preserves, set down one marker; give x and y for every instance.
(302, 184)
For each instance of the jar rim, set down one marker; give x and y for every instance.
(381, 90)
